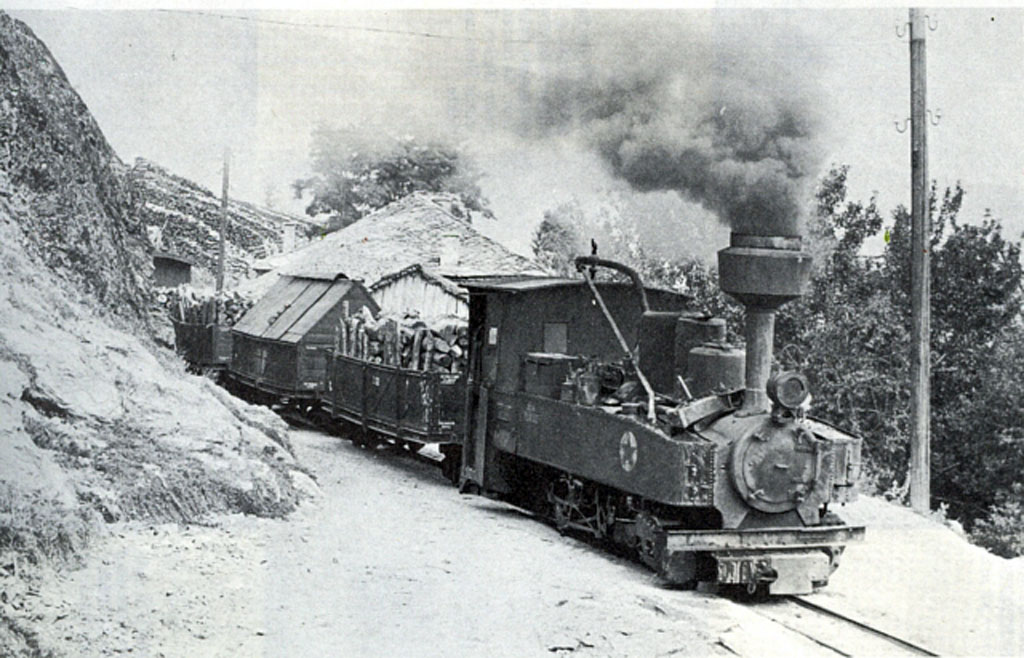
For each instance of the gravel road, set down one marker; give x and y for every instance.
(389, 560)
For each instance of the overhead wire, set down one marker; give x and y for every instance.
(378, 30)
(441, 36)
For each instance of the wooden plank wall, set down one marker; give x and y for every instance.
(413, 292)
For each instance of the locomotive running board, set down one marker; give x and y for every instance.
(744, 540)
(787, 560)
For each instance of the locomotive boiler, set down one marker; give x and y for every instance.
(615, 412)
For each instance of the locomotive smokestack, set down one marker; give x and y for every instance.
(762, 273)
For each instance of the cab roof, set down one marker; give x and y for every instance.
(517, 284)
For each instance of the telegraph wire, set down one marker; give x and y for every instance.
(441, 36)
(377, 30)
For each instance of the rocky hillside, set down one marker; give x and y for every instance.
(187, 216)
(96, 422)
(76, 213)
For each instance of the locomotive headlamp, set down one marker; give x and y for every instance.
(788, 389)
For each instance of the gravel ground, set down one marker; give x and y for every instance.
(921, 580)
(389, 561)
(392, 561)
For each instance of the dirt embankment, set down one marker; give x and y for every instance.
(96, 422)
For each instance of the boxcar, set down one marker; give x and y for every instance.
(281, 346)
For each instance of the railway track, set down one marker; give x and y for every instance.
(835, 632)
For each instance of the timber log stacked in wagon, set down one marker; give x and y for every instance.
(189, 305)
(406, 342)
(202, 321)
(411, 254)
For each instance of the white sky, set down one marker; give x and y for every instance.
(177, 88)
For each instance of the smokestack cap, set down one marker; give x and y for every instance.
(764, 271)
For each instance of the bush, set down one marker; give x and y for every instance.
(41, 529)
(1002, 531)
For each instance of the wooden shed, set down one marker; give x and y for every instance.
(420, 289)
(170, 271)
(411, 254)
(281, 345)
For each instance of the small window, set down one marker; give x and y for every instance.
(556, 337)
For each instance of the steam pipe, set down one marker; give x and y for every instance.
(593, 261)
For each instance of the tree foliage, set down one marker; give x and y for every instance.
(355, 174)
(557, 242)
(1002, 529)
(567, 231)
(851, 336)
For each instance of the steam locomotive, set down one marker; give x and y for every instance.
(614, 412)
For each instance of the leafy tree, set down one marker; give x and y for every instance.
(1002, 529)
(356, 174)
(851, 336)
(567, 230)
(556, 241)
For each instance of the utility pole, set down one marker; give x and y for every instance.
(920, 275)
(222, 228)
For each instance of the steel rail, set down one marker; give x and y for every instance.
(814, 607)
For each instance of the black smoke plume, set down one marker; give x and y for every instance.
(727, 119)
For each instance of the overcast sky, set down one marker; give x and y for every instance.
(177, 87)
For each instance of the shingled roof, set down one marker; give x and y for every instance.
(408, 232)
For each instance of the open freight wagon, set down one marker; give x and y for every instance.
(412, 395)
(202, 326)
(203, 346)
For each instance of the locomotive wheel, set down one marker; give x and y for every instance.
(750, 593)
(559, 508)
(362, 438)
(319, 417)
(647, 527)
(560, 515)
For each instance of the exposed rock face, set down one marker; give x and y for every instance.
(76, 214)
(188, 216)
(95, 420)
(133, 435)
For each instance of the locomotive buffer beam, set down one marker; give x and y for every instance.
(786, 560)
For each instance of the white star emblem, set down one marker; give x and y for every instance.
(627, 451)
